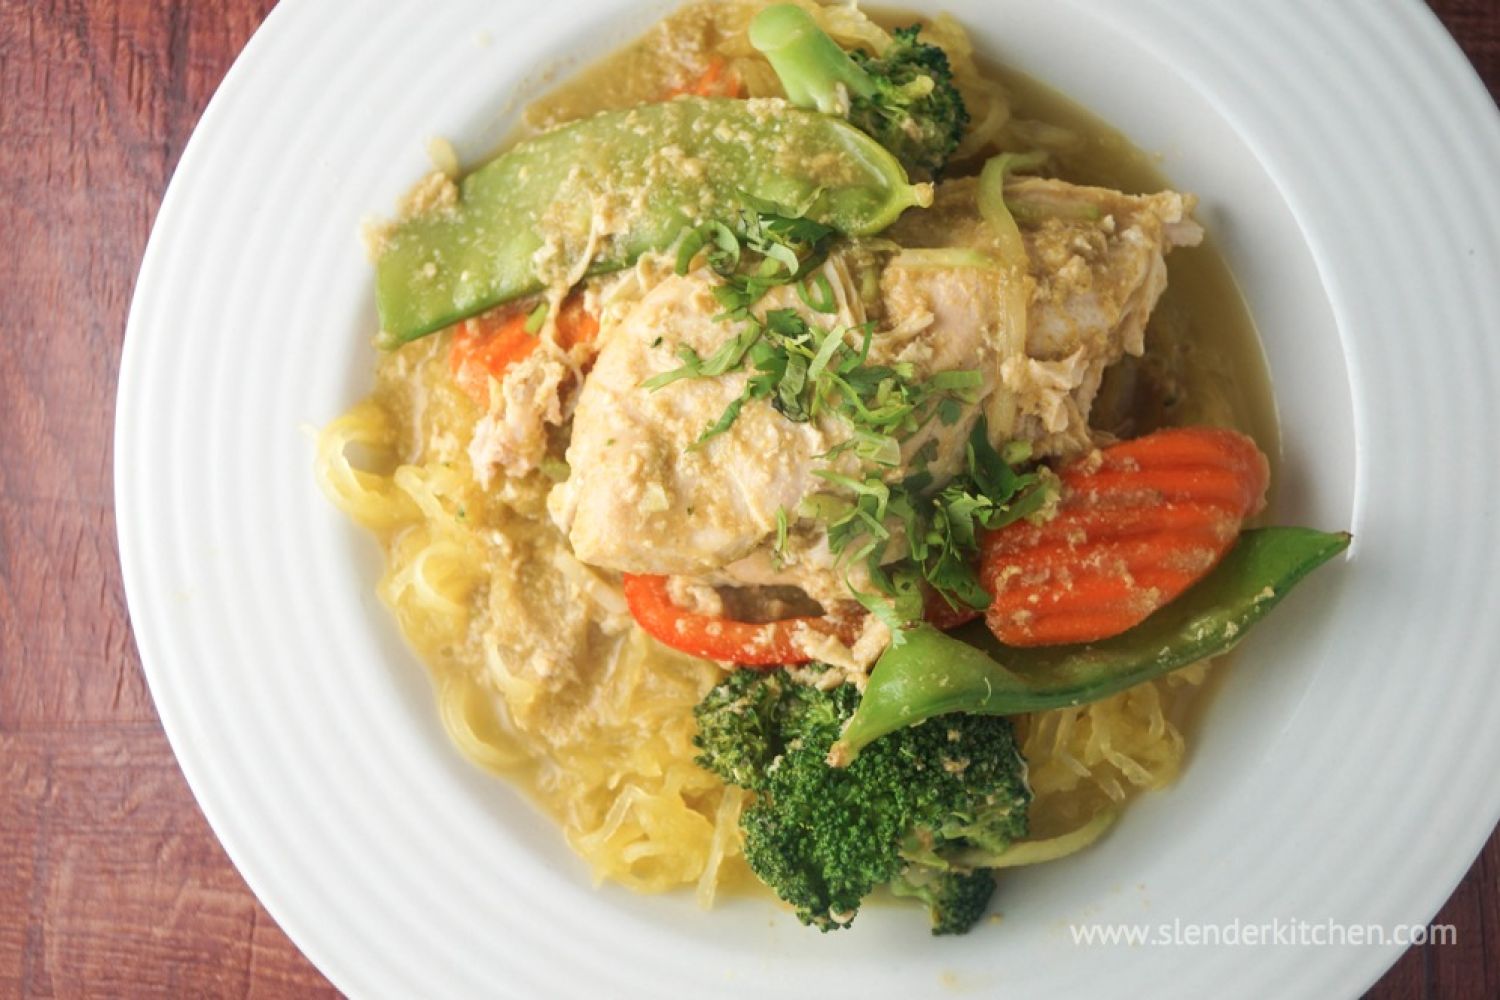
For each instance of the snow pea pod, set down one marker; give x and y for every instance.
(595, 194)
(933, 673)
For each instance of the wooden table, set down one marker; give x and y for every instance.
(110, 881)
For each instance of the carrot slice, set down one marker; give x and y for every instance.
(751, 644)
(1136, 525)
(575, 324)
(485, 346)
(715, 81)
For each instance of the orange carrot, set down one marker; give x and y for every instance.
(753, 644)
(485, 346)
(714, 82)
(1137, 524)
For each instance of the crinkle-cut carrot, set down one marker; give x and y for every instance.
(715, 81)
(485, 346)
(1137, 524)
(750, 644)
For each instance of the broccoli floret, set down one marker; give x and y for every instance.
(741, 722)
(915, 112)
(823, 838)
(904, 98)
(956, 900)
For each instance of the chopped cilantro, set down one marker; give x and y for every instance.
(939, 532)
(825, 302)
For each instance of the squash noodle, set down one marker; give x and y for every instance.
(370, 498)
(1090, 759)
(606, 747)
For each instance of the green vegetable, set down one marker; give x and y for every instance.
(1034, 213)
(993, 207)
(956, 900)
(824, 838)
(527, 217)
(933, 674)
(943, 539)
(536, 318)
(904, 98)
(809, 64)
(940, 528)
(1009, 245)
(769, 245)
(916, 112)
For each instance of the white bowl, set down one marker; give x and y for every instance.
(1346, 156)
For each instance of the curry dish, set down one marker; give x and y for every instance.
(794, 468)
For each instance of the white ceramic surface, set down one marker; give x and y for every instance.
(1347, 159)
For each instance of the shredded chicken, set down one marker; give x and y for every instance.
(513, 432)
(1097, 266)
(642, 497)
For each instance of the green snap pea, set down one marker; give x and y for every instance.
(933, 673)
(594, 195)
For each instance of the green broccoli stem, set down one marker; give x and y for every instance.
(810, 65)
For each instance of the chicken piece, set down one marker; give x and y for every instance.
(943, 313)
(642, 498)
(1097, 268)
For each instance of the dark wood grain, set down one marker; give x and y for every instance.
(110, 881)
